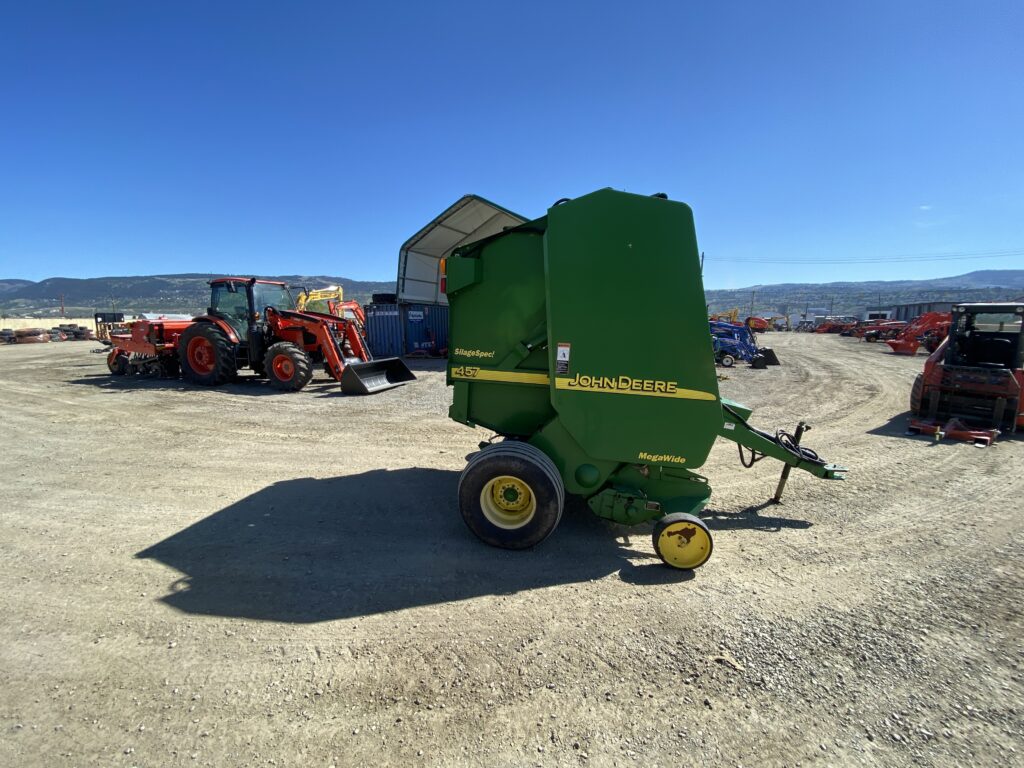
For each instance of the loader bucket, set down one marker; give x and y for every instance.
(903, 346)
(375, 376)
(770, 358)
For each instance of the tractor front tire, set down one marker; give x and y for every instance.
(917, 395)
(287, 366)
(511, 495)
(682, 541)
(727, 361)
(206, 355)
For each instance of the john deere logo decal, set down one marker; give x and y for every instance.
(627, 385)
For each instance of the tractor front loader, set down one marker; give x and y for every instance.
(625, 430)
(253, 324)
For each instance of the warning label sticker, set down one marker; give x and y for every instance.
(562, 358)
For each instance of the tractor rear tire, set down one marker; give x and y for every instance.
(206, 355)
(287, 366)
(682, 541)
(511, 495)
(917, 395)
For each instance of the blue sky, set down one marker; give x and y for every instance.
(155, 137)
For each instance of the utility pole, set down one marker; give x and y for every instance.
(832, 307)
(751, 304)
(62, 306)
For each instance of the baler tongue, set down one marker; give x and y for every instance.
(375, 376)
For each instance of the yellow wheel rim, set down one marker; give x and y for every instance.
(684, 545)
(508, 502)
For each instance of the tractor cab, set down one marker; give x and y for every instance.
(986, 336)
(241, 301)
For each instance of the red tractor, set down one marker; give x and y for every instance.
(971, 384)
(253, 324)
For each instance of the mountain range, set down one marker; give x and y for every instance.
(188, 293)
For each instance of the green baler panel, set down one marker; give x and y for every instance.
(633, 371)
(496, 293)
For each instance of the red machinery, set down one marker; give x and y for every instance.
(909, 339)
(758, 324)
(880, 330)
(253, 324)
(835, 325)
(971, 385)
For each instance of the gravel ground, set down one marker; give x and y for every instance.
(238, 577)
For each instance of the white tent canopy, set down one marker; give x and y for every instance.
(470, 219)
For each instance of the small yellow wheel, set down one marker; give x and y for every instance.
(682, 541)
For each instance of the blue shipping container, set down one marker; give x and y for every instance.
(426, 329)
(393, 330)
(383, 330)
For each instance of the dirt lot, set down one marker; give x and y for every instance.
(238, 577)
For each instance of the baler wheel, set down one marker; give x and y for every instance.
(511, 495)
(287, 366)
(206, 355)
(682, 541)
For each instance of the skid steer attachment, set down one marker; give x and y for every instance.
(375, 376)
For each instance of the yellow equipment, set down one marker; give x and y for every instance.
(325, 300)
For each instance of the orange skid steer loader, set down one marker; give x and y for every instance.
(253, 324)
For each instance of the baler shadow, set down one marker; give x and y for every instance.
(312, 550)
(750, 519)
(244, 385)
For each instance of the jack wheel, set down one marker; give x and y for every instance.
(287, 366)
(511, 495)
(682, 541)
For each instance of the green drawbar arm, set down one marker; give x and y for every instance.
(782, 446)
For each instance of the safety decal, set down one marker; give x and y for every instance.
(562, 357)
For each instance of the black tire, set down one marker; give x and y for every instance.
(170, 367)
(287, 366)
(117, 363)
(917, 395)
(727, 361)
(222, 366)
(693, 547)
(513, 528)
